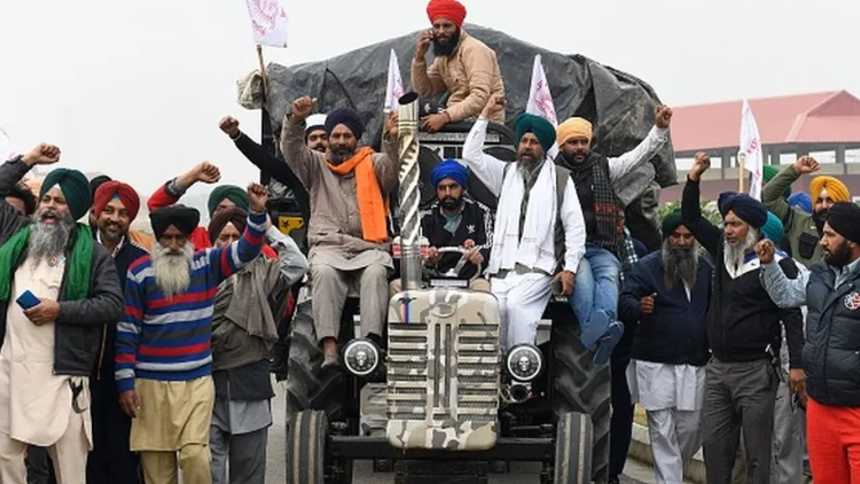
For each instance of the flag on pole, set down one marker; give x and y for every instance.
(750, 145)
(540, 99)
(394, 87)
(268, 22)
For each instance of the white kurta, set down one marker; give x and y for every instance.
(36, 404)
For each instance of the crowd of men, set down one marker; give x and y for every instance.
(126, 357)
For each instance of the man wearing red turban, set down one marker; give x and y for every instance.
(115, 206)
(463, 66)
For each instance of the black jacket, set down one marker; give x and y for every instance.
(675, 332)
(831, 356)
(77, 330)
(477, 224)
(742, 319)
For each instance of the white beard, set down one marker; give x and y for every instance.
(172, 271)
(734, 254)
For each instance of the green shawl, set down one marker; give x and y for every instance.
(77, 277)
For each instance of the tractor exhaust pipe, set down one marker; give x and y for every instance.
(409, 192)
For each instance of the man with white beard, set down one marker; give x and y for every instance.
(50, 348)
(163, 354)
(667, 293)
(743, 332)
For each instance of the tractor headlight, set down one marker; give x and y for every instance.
(361, 357)
(524, 362)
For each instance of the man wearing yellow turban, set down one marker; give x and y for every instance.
(803, 230)
(595, 300)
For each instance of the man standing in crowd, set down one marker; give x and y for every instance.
(163, 355)
(464, 67)
(455, 220)
(115, 207)
(803, 229)
(50, 345)
(142, 239)
(743, 332)
(244, 330)
(668, 293)
(348, 229)
(539, 233)
(831, 291)
(595, 300)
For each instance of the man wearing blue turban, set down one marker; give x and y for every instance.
(456, 220)
(743, 329)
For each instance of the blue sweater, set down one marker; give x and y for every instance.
(675, 332)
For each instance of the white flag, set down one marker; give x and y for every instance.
(269, 22)
(750, 145)
(540, 99)
(394, 87)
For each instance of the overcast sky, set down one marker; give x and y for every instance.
(135, 89)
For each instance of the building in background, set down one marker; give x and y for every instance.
(824, 125)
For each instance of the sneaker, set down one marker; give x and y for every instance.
(607, 343)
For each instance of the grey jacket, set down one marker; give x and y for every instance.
(78, 327)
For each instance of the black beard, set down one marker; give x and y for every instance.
(340, 154)
(840, 258)
(572, 159)
(679, 264)
(451, 203)
(445, 49)
(819, 218)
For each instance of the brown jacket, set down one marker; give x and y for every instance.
(470, 75)
(335, 226)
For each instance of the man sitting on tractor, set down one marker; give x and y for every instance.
(463, 66)
(348, 229)
(539, 233)
(454, 219)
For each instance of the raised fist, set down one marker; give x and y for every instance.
(700, 165)
(257, 197)
(495, 104)
(663, 117)
(302, 108)
(43, 154)
(230, 126)
(806, 165)
(207, 173)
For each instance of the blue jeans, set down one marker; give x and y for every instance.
(596, 290)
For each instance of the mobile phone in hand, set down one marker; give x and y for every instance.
(27, 300)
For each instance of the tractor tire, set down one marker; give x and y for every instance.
(309, 387)
(307, 459)
(579, 386)
(573, 449)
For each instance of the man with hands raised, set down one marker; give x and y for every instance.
(49, 345)
(163, 354)
(831, 291)
(348, 232)
(743, 332)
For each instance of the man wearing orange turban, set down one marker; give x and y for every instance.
(463, 66)
(803, 230)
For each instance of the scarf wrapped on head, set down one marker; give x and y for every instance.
(185, 219)
(110, 189)
(448, 9)
(744, 206)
